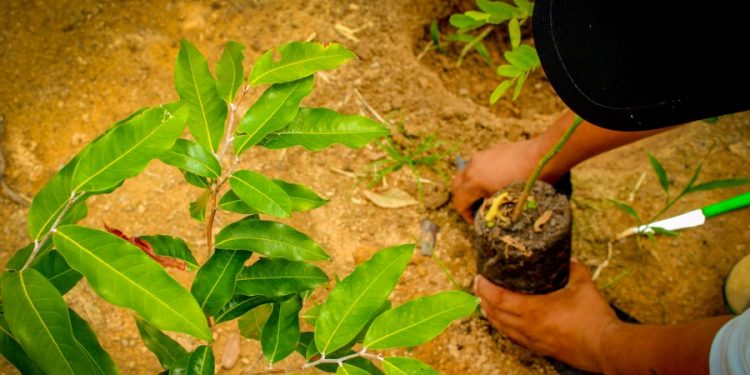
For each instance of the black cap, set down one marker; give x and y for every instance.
(637, 65)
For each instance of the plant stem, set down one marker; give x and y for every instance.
(540, 166)
(340, 361)
(38, 244)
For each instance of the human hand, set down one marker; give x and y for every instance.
(567, 324)
(490, 170)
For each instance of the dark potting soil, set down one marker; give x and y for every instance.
(517, 257)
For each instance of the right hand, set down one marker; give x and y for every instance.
(490, 170)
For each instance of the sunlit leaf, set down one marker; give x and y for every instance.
(123, 275)
(173, 247)
(500, 91)
(660, 173)
(524, 57)
(90, 345)
(214, 283)
(232, 203)
(49, 263)
(240, 305)
(201, 361)
(502, 11)
(347, 369)
(318, 128)
(279, 277)
(191, 157)
(229, 72)
(251, 323)
(260, 193)
(271, 239)
(298, 60)
(50, 201)
(352, 302)
(168, 351)
(406, 366)
(514, 30)
(281, 331)
(465, 23)
(509, 71)
(197, 208)
(13, 353)
(519, 85)
(628, 209)
(301, 197)
(197, 89)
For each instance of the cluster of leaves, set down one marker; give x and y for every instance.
(521, 60)
(41, 334)
(669, 199)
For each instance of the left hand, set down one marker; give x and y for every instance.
(567, 324)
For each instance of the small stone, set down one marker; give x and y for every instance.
(231, 351)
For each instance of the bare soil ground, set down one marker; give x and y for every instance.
(69, 69)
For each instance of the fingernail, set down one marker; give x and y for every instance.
(476, 281)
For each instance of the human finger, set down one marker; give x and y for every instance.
(501, 298)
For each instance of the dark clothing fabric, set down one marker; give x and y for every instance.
(637, 65)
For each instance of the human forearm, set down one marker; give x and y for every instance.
(649, 349)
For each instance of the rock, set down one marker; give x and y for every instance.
(231, 351)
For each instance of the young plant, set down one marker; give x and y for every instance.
(41, 334)
(669, 199)
(521, 60)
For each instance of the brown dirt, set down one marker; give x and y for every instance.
(71, 68)
(523, 256)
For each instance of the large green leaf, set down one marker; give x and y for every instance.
(173, 247)
(318, 128)
(419, 320)
(406, 366)
(201, 361)
(125, 276)
(301, 197)
(347, 369)
(232, 203)
(260, 193)
(279, 277)
(269, 238)
(49, 202)
(213, 286)
(229, 72)
(274, 110)
(13, 353)
(191, 157)
(126, 150)
(281, 331)
(251, 323)
(90, 344)
(38, 319)
(298, 60)
(50, 264)
(352, 302)
(168, 351)
(196, 86)
(238, 306)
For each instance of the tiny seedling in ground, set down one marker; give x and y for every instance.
(355, 323)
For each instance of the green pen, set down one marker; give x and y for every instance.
(693, 218)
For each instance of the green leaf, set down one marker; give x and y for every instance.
(232, 203)
(38, 319)
(660, 172)
(406, 366)
(711, 120)
(352, 302)
(693, 178)
(251, 323)
(214, 283)
(197, 89)
(719, 184)
(519, 85)
(195, 180)
(13, 353)
(269, 238)
(229, 73)
(49, 202)
(201, 362)
(301, 197)
(419, 320)
(502, 11)
(279, 277)
(168, 351)
(524, 57)
(238, 306)
(126, 150)
(482, 51)
(628, 209)
(197, 208)
(666, 232)
(514, 30)
(509, 71)
(125, 276)
(274, 110)
(173, 247)
(318, 128)
(191, 157)
(311, 315)
(281, 331)
(347, 369)
(465, 23)
(435, 35)
(298, 60)
(260, 193)
(90, 344)
(500, 91)
(526, 6)
(49, 263)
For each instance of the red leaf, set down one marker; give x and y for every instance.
(146, 248)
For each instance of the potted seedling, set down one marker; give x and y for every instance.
(523, 233)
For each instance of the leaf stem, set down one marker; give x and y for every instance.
(38, 244)
(340, 361)
(540, 166)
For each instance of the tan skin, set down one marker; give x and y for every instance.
(575, 324)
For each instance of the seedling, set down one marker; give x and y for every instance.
(40, 333)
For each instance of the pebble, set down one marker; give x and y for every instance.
(231, 351)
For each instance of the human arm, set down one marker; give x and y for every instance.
(576, 325)
(492, 169)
